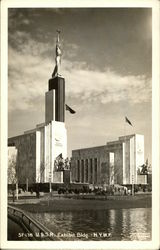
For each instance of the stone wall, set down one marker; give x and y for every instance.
(100, 153)
(128, 155)
(37, 150)
(90, 165)
(141, 179)
(116, 148)
(58, 177)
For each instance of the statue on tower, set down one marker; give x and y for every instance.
(58, 56)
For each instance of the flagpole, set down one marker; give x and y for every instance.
(124, 128)
(124, 163)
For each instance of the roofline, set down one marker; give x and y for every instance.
(119, 141)
(128, 136)
(25, 134)
(89, 148)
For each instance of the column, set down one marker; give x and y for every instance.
(82, 171)
(91, 171)
(111, 168)
(86, 170)
(95, 171)
(38, 156)
(78, 171)
(44, 152)
(124, 163)
(47, 152)
(51, 151)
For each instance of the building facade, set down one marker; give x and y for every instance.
(37, 149)
(116, 162)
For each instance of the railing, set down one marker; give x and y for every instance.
(34, 229)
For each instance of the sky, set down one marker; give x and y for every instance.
(106, 63)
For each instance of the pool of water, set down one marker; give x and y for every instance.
(113, 224)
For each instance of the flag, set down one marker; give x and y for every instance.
(59, 156)
(70, 110)
(128, 121)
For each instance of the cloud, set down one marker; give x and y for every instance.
(71, 50)
(30, 67)
(106, 86)
(26, 21)
(17, 19)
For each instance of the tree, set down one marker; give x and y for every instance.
(12, 174)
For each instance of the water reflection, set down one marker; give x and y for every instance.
(114, 224)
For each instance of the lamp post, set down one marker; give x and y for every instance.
(17, 179)
(50, 183)
(27, 184)
(132, 184)
(17, 190)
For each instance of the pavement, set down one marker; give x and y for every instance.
(25, 197)
(28, 198)
(26, 194)
(24, 201)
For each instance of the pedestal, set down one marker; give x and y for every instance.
(55, 144)
(55, 97)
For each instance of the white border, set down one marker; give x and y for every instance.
(154, 244)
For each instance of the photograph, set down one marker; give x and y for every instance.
(80, 116)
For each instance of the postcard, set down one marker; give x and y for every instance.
(80, 125)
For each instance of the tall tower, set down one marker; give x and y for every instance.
(38, 149)
(55, 97)
(55, 100)
(55, 139)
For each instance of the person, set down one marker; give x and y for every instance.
(37, 193)
(13, 194)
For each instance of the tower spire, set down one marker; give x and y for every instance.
(58, 56)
